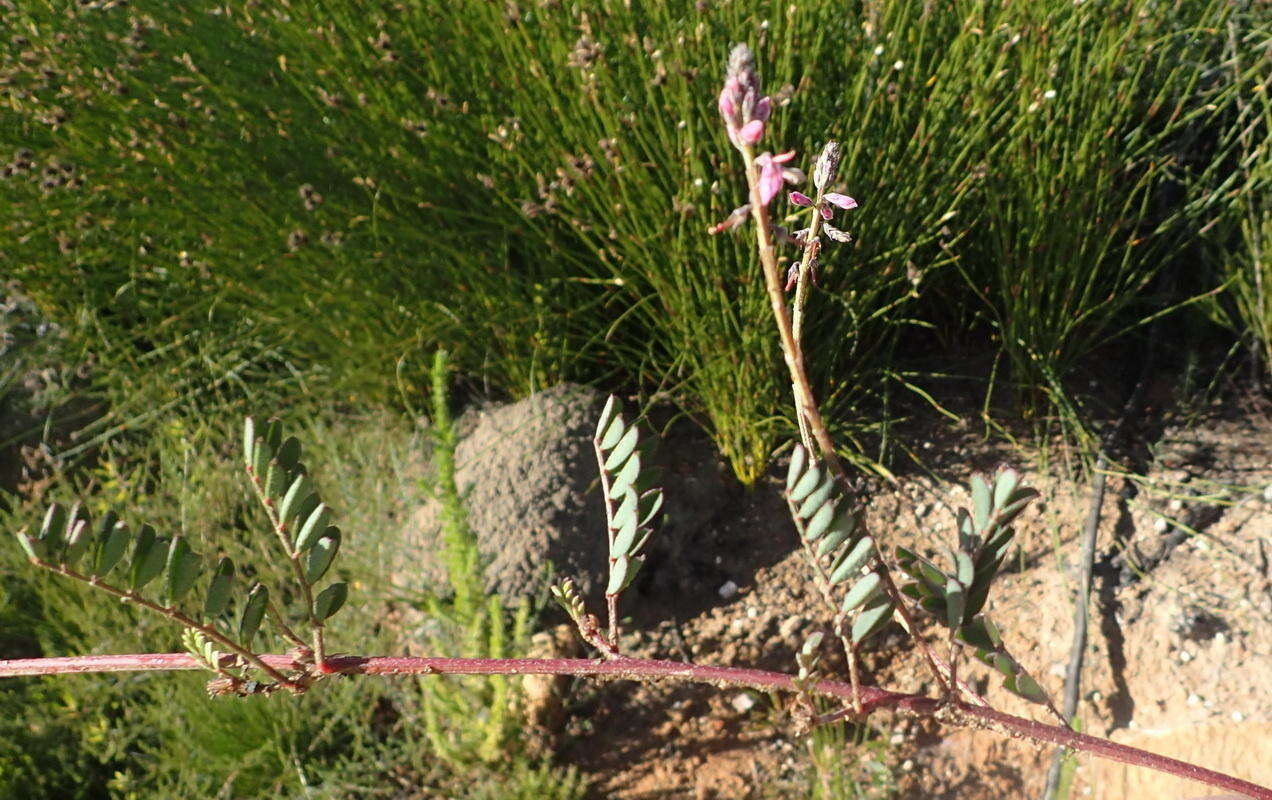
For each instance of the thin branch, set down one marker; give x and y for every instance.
(873, 698)
(173, 614)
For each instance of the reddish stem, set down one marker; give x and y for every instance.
(872, 698)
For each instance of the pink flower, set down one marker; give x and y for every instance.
(842, 200)
(772, 175)
(743, 109)
(751, 132)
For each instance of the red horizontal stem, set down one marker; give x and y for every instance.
(873, 698)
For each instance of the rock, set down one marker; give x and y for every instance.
(528, 474)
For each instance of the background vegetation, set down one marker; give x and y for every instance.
(255, 206)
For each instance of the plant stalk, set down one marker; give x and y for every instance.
(621, 668)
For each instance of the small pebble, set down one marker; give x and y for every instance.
(1267, 493)
(1194, 699)
(743, 703)
(790, 626)
(752, 612)
(1161, 524)
(728, 591)
(1237, 716)
(1185, 656)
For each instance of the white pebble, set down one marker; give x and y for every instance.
(1185, 656)
(728, 591)
(1161, 524)
(1237, 716)
(743, 703)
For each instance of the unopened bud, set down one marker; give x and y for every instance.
(827, 165)
(751, 133)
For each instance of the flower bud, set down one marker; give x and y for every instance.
(827, 164)
(751, 132)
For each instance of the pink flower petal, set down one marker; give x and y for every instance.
(842, 200)
(800, 199)
(782, 158)
(751, 132)
(762, 109)
(727, 109)
(770, 178)
(825, 212)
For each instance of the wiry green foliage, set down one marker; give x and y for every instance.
(467, 720)
(552, 171)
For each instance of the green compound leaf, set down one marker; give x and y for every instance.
(626, 477)
(839, 533)
(300, 488)
(321, 555)
(262, 454)
(851, 561)
(1015, 505)
(799, 461)
(612, 434)
(980, 633)
(1025, 686)
(964, 569)
(806, 484)
(650, 503)
(314, 527)
(330, 600)
(289, 453)
(33, 547)
(612, 407)
(618, 575)
(53, 528)
(112, 542)
(218, 597)
(980, 501)
(304, 508)
(623, 449)
(819, 497)
(967, 538)
(872, 619)
(77, 542)
(627, 510)
(820, 523)
(1005, 483)
(275, 479)
(149, 556)
(274, 434)
(253, 614)
(955, 603)
(625, 539)
(863, 591)
(184, 566)
(249, 442)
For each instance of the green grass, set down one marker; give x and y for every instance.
(529, 188)
(161, 735)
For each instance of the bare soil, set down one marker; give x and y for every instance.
(1179, 656)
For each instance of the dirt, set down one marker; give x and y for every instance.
(1178, 660)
